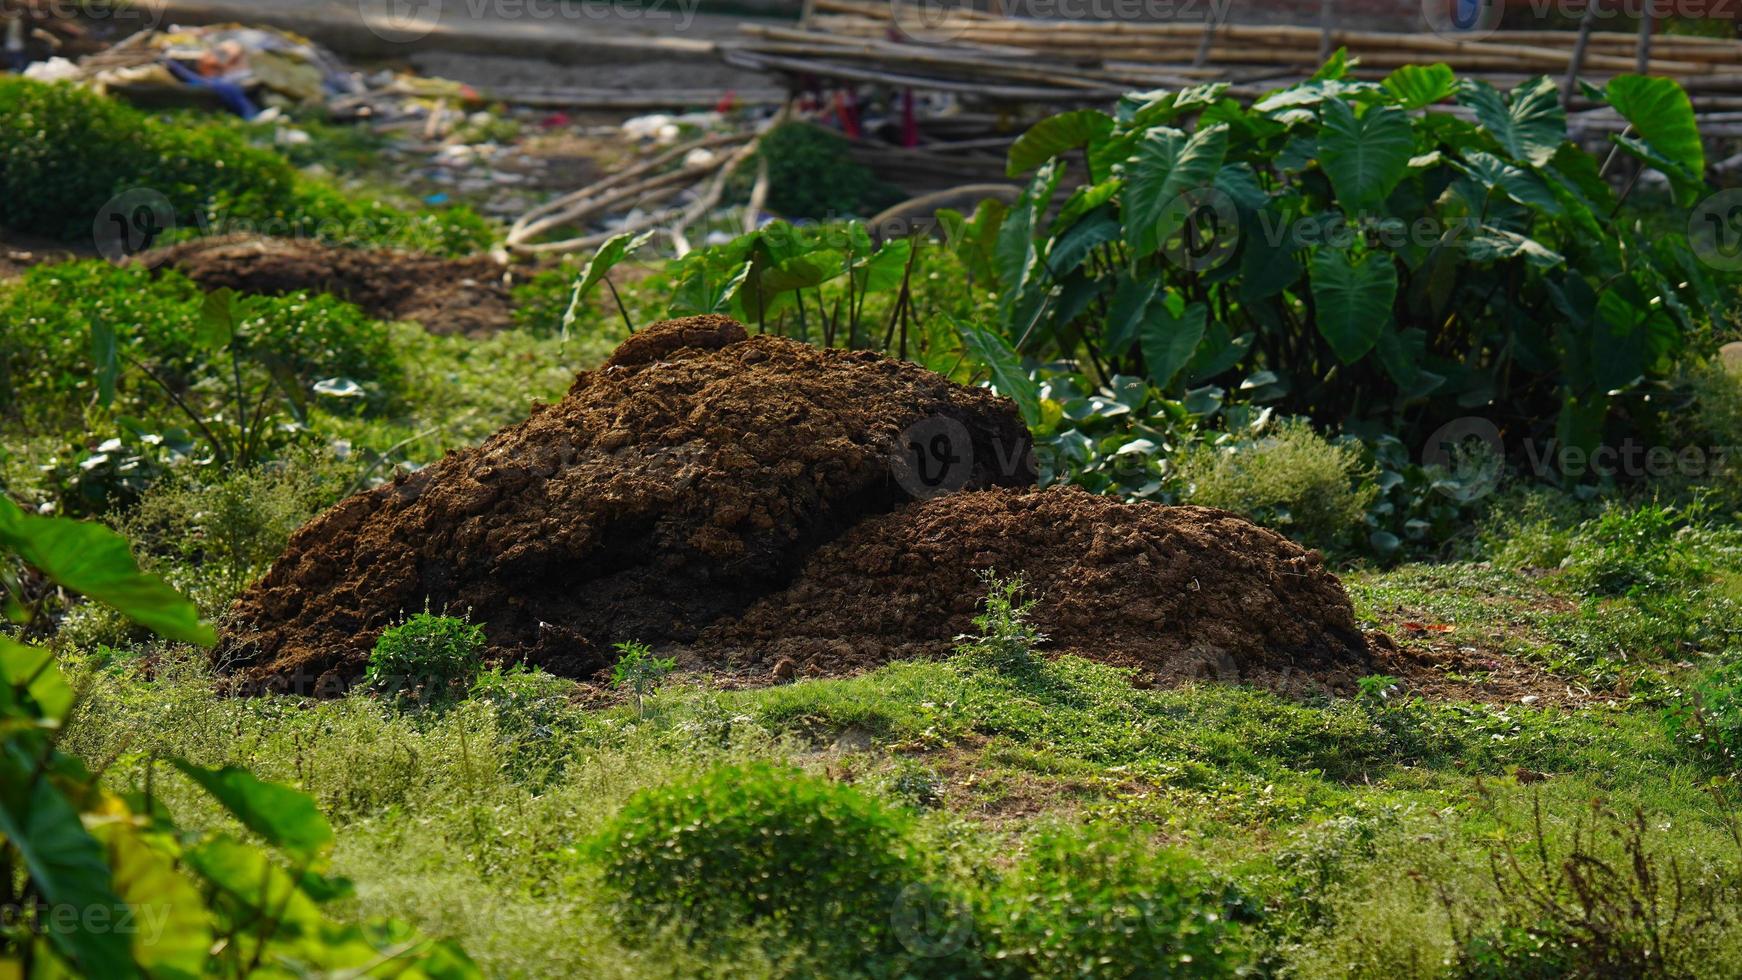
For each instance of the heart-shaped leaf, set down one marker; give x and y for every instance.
(1169, 341)
(1055, 135)
(1352, 299)
(1364, 157)
(1166, 164)
(1415, 86)
(1530, 127)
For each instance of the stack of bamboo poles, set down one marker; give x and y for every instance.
(1014, 59)
(997, 73)
(649, 192)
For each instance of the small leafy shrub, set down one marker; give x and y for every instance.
(1714, 423)
(760, 847)
(1531, 529)
(1629, 551)
(1315, 858)
(1005, 639)
(812, 175)
(65, 151)
(1100, 901)
(1291, 479)
(916, 783)
(218, 535)
(1707, 719)
(530, 706)
(1374, 692)
(527, 699)
(639, 672)
(426, 657)
(1717, 402)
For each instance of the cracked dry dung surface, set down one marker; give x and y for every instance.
(1179, 593)
(671, 488)
(447, 296)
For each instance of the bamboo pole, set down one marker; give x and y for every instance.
(531, 223)
(1209, 38)
(1576, 62)
(1647, 24)
(746, 59)
(1327, 27)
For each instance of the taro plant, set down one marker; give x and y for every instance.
(105, 884)
(814, 283)
(1348, 249)
(254, 384)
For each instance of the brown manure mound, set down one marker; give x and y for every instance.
(1176, 592)
(447, 296)
(668, 490)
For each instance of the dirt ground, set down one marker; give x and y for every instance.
(755, 505)
(448, 296)
(18, 252)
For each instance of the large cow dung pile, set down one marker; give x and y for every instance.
(752, 500)
(684, 479)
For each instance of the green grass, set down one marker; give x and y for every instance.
(471, 822)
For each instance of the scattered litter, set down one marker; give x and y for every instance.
(55, 69)
(247, 69)
(1429, 627)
